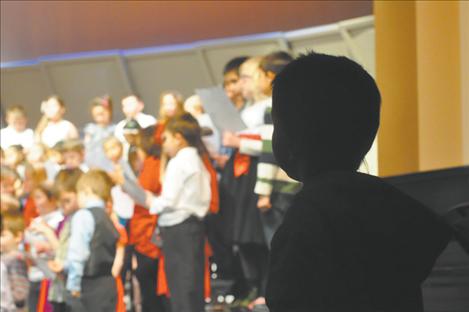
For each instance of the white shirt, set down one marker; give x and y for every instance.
(9, 136)
(253, 117)
(123, 204)
(143, 120)
(186, 189)
(58, 131)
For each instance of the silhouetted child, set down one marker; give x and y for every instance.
(349, 242)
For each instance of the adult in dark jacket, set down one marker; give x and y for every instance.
(350, 242)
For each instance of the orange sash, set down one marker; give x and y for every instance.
(242, 161)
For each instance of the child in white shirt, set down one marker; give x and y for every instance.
(182, 205)
(16, 132)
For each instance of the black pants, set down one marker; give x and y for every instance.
(98, 294)
(183, 247)
(254, 259)
(33, 296)
(147, 275)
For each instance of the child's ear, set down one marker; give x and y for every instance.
(179, 137)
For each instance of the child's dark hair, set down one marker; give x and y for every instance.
(187, 126)
(234, 64)
(275, 62)
(103, 101)
(326, 113)
(46, 189)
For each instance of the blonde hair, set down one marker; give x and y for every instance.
(98, 182)
(13, 222)
(112, 140)
(16, 110)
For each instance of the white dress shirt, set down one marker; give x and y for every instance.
(55, 132)
(186, 189)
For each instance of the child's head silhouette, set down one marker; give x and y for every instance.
(325, 113)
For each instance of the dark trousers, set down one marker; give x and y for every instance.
(33, 296)
(147, 275)
(98, 294)
(183, 247)
(254, 259)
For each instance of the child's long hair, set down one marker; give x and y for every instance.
(188, 127)
(42, 124)
(179, 105)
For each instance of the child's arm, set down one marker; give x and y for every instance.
(47, 231)
(82, 229)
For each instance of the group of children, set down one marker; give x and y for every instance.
(146, 202)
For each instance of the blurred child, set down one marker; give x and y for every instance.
(38, 238)
(73, 153)
(231, 81)
(92, 247)
(132, 107)
(33, 177)
(11, 258)
(65, 187)
(52, 128)
(97, 131)
(9, 183)
(182, 205)
(16, 132)
(37, 155)
(14, 158)
(123, 205)
(211, 137)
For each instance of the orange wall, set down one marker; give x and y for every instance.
(439, 84)
(33, 28)
(418, 66)
(396, 74)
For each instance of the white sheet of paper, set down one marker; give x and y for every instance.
(220, 108)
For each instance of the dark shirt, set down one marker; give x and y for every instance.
(351, 242)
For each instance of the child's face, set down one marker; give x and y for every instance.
(113, 152)
(13, 157)
(72, 159)
(246, 80)
(8, 241)
(7, 185)
(101, 115)
(131, 106)
(168, 106)
(263, 82)
(52, 110)
(35, 154)
(172, 143)
(231, 85)
(43, 204)
(68, 202)
(17, 121)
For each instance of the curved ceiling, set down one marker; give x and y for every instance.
(30, 29)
